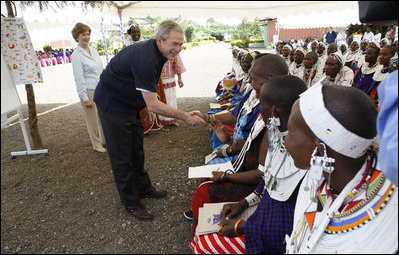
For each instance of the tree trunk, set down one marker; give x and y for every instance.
(33, 127)
(30, 94)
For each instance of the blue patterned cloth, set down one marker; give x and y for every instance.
(218, 160)
(265, 230)
(244, 122)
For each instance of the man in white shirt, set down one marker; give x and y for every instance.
(341, 38)
(377, 36)
(368, 35)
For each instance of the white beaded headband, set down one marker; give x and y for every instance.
(327, 128)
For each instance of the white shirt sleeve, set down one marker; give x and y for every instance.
(77, 67)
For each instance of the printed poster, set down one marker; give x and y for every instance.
(17, 49)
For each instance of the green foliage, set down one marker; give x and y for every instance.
(352, 28)
(256, 41)
(189, 33)
(239, 43)
(47, 47)
(248, 30)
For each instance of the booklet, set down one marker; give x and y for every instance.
(213, 155)
(214, 105)
(210, 216)
(205, 171)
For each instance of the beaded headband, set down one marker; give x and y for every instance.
(301, 50)
(327, 128)
(337, 57)
(377, 44)
(253, 54)
(288, 46)
(386, 40)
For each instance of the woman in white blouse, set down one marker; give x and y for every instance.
(87, 68)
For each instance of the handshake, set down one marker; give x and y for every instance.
(194, 118)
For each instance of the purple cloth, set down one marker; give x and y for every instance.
(265, 230)
(364, 81)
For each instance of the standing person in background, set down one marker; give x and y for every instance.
(377, 35)
(134, 35)
(341, 38)
(169, 72)
(87, 67)
(356, 36)
(368, 35)
(127, 85)
(115, 45)
(331, 35)
(390, 34)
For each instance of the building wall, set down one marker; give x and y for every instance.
(287, 34)
(298, 33)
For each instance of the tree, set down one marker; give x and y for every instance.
(248, 30)
(189, 32)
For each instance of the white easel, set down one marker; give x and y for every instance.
(10, 102)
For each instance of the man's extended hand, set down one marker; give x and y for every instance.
(193, 119)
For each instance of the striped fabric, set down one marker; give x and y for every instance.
(218, 160)
(217, 244)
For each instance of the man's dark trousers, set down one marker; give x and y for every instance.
(124, 140)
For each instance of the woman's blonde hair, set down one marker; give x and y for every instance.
(78, 29)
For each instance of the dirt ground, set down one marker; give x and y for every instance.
(67, 202)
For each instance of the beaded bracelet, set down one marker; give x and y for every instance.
(234, 143)
(224, 152)
(236, 226)
(206, 117)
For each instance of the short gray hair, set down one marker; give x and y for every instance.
(163, 30)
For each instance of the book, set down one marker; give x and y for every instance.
(210, 216)
(205, 171)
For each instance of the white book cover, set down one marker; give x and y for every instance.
(205, 171)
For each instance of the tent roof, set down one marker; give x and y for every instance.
(290, 14)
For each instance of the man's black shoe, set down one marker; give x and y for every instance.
(153, 193)
(140, 213)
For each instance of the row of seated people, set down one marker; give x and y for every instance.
(362, 67)
(306, 165)
(55, 57)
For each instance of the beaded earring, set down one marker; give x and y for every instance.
(318, 165)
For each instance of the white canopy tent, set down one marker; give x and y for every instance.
(290, 14)
(56, 24)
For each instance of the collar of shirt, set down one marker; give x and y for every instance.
(83, 51)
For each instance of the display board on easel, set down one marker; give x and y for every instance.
(11, 102)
